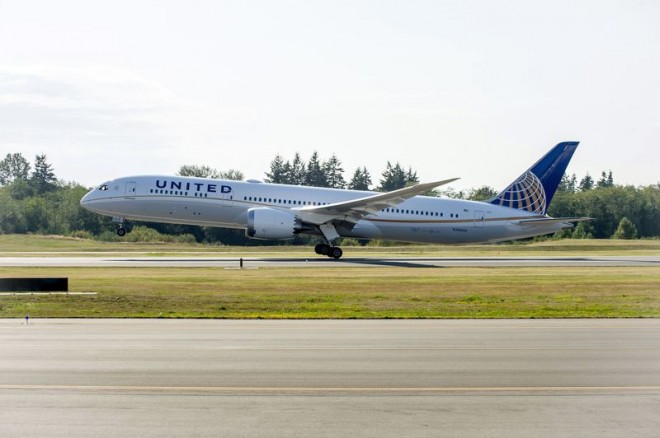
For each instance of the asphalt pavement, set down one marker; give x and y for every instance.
(385, 378)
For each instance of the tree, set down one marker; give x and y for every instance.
(411, 177)
(606, 180)
(20, 189)
(315, 176)
(394, 177)
(231, 174)
(43, 178)
(568, 184)
(625, 230)
(483, 193)
(297, 173)
(36, 214)
(203, 171)
(209, 172)
(583, 230)
(450, 192)
(334, 173)
(12, 214)
(361, 179)
(586, 183)
(14, 167)
(279, 173)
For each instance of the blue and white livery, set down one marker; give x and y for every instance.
(276, 211)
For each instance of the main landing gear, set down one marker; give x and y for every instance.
(334, 252)
(330, 235)
(121, 231)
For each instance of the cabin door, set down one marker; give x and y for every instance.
(227, 199)
(131, 188)
(479, 217)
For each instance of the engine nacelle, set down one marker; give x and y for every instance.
(271, 224)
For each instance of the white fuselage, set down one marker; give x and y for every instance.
(223, 203)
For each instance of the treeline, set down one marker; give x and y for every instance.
(330, 173)
(34, 200)
(618, 211)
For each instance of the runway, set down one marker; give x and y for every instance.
(393, 378)
(317, 262)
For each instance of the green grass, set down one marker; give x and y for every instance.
(344, 293)
(339, 293)
(26, 245)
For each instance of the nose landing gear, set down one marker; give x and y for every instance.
(121, 231)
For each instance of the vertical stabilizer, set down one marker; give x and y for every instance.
(534, 189)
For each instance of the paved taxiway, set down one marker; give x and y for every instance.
(316, 261)
(394, 378)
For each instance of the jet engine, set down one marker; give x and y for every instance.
(271, 224)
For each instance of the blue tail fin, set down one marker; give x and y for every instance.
(534, 189)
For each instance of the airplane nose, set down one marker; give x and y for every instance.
(85, 200)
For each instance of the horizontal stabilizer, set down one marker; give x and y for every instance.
(554, 220)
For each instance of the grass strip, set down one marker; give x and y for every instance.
(276, 293)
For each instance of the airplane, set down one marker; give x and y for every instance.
(278, 211)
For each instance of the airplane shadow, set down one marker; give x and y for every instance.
(353, 261)
(275, 261)
(390, 263)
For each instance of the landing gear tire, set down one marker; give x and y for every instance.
(322, 249)
(121, 232)
(336, 252)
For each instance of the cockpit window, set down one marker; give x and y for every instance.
(104, 187)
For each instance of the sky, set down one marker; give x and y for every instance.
(473, 89)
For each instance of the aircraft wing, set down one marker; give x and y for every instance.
(553, 220)
(356, 209)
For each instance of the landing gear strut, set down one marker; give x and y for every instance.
(121, 231)
(330, 234)
(334, 252)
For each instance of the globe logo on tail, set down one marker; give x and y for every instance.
(525, 193)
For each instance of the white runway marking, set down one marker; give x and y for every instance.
(269, 389)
